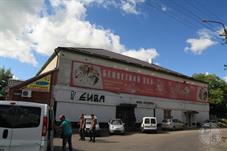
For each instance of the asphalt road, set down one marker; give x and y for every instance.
(188, 140)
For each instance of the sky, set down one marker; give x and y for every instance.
(168, 32)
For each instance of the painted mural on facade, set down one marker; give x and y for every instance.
(121, 81)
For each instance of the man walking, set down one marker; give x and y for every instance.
(66, 133)
(93, 128)
(82, 127)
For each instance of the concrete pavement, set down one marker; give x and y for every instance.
(165, 141)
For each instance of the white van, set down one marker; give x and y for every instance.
(25, 126)
(149, 124)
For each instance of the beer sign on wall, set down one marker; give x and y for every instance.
(42, 84)
(121, 81)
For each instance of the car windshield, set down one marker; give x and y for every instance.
(116, 122)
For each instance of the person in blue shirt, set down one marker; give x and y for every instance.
(66, 133)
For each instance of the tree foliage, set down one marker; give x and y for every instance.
(217, 89)
(5, 75)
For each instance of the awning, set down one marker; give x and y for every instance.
(191, 112)
(127, 105)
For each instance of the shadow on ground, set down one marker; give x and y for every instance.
(59, 148)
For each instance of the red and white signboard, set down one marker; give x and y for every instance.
(121, 81)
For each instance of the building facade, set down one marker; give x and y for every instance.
(110, 85)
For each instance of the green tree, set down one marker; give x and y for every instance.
(217, 89)
(5, 75)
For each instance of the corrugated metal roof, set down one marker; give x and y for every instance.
(106, 54)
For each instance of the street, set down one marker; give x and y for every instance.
(187, 140)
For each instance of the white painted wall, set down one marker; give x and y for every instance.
(72, 111)
(107, 110)
(159, 115)
(142, 112)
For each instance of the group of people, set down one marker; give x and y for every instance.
(67, 130)
(91, 130)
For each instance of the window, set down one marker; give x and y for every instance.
(153, 121)
(167, 114)
(19, 116)
(147, 121)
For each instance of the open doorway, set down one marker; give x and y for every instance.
(190, 121)
(126, 112)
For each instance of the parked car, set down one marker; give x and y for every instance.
(88, 125)
(210, 124)
(25, 126)
(149, 124)
(116, 126)
(172, 124)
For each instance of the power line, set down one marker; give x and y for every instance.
(171, 15)
(208, 10)
(188, 16)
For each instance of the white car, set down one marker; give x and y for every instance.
(172, 124)
(210, 124)
(25, 126)
(116, 126)
(149, 124)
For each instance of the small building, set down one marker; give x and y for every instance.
(111, 85)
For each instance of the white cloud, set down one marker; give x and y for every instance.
(206, 73)
(163, 8)
(12, 47)
(142, 54)
(204, 41)
(130, 6)
(225, 79)
(66, 27)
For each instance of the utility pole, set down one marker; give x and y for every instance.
(220, 23)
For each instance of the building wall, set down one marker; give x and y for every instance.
(107, 110)
(73, 101)
(51, 66)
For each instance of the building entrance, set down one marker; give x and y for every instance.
(189, 118)
(126, 112)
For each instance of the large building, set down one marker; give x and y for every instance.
(111, 85)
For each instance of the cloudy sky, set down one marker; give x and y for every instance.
(171, 33)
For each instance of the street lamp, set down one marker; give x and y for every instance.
(218, 22)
